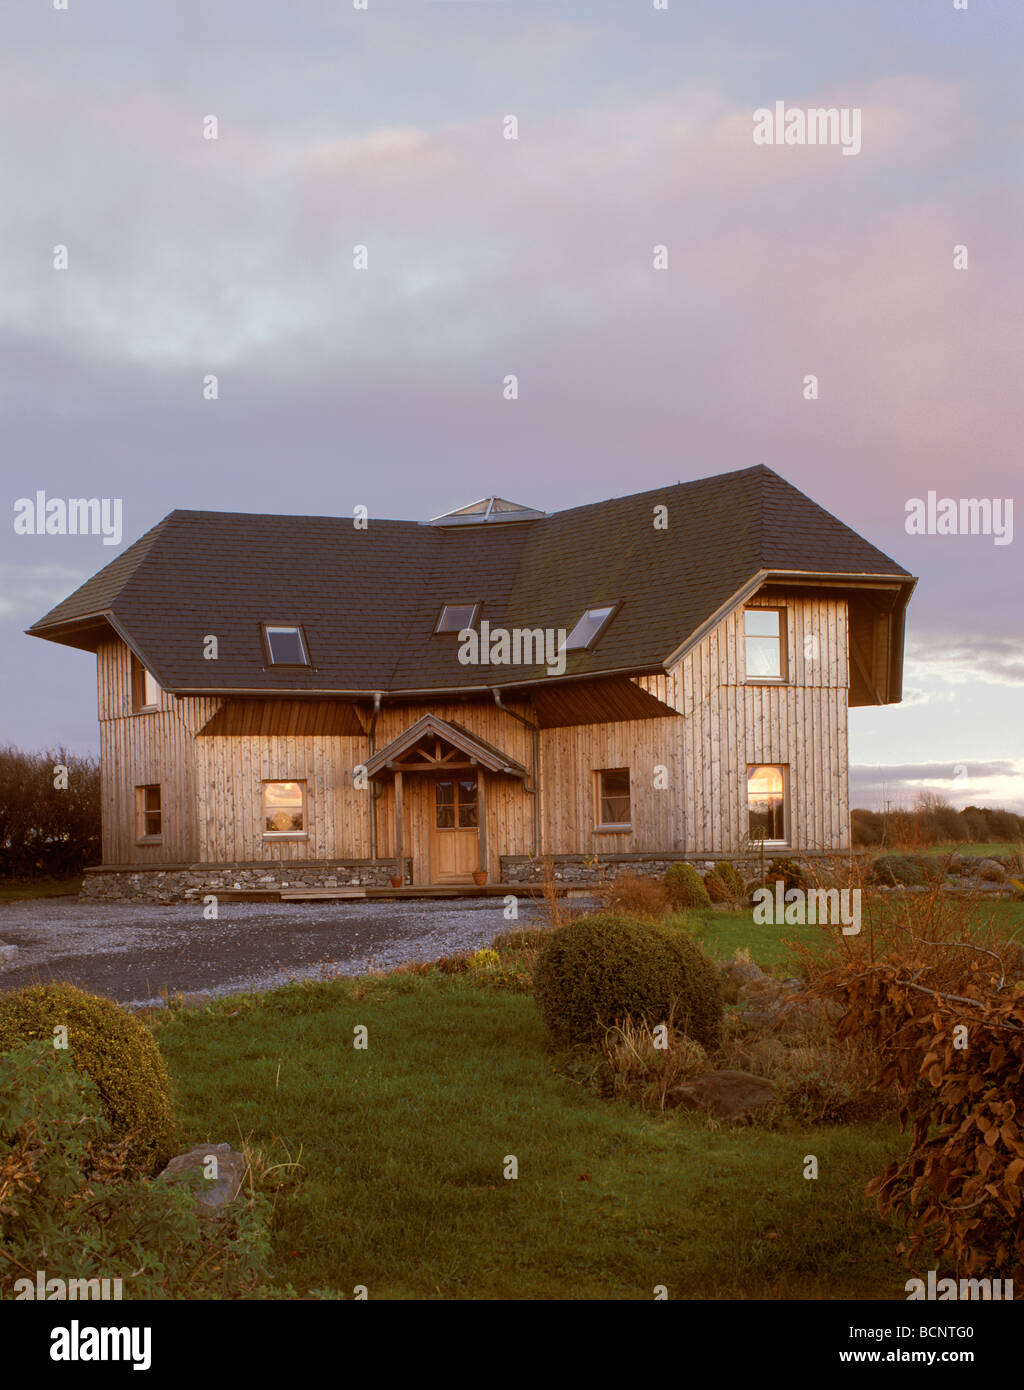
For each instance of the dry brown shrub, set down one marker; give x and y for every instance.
(913, 996)
(412, 967)
(635, 895)
(638, 1071)
(452, 965)
(554, 908)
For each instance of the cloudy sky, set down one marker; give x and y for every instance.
(487, 256)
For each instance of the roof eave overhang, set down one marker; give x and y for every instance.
(83, 633)
(399, 693)
(900, 585)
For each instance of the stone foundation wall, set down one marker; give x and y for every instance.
(177, 883)
(580, 868)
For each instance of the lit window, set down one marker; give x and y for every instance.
(586, 631)
(766, 803)
(284, 808)
(456, 616)
(763, 632)
(286, 646)
(148, 824)
(613, 807)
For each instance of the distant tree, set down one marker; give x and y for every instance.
(866, 827)
(938, 820)
(47, 828)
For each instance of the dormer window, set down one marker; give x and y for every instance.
(589, 627)
(455, 617)
(285, 645)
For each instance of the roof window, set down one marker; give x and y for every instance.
(285, 645)
(589, 627)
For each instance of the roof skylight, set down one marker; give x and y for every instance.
(457, 616)
(487, 509)
(286, 646)
(589, 627)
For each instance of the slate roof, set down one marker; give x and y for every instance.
(369, 599)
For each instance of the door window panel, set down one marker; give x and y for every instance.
(444, 805)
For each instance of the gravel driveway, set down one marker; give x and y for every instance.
(132, 952)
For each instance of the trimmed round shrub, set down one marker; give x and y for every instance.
(685, 887)
(110, 1046)
(597, 969)
(724, 884)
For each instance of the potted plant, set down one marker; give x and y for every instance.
(480, 875)
(396, 880)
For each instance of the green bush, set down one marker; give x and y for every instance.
(73, 1206)
(114, 1049)
(789, 871)
(596, 970)
(724, 883)
(685, 887)
(899, 869)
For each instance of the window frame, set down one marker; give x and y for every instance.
(601, 826)
(787, 829)
(612, 606)
(139, 672)
(268, 654)
(457, 803)
(783, 678)
(143, 836)
(475, 603)
(302, 834)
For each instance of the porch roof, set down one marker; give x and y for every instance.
(474, 747)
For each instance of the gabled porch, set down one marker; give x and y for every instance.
(443, 790)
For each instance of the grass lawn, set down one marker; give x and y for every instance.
(969, 851)
(18, 890)
(723, 933)
(403, 1147)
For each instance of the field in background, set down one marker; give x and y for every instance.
(13, 891)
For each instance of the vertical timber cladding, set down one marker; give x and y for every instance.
(802, 723)
(728, 724)
(231, 770)
(211, 787)
(140, 750)
(570, 757)
(509, 807)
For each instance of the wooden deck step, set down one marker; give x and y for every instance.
(294, 895)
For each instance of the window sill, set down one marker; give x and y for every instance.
(767, 680)
(286, 834)
(150, 840)
(145, 709)
(613, 830)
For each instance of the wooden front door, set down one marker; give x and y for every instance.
(454, 830)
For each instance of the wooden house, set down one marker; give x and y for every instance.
(658, 676)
